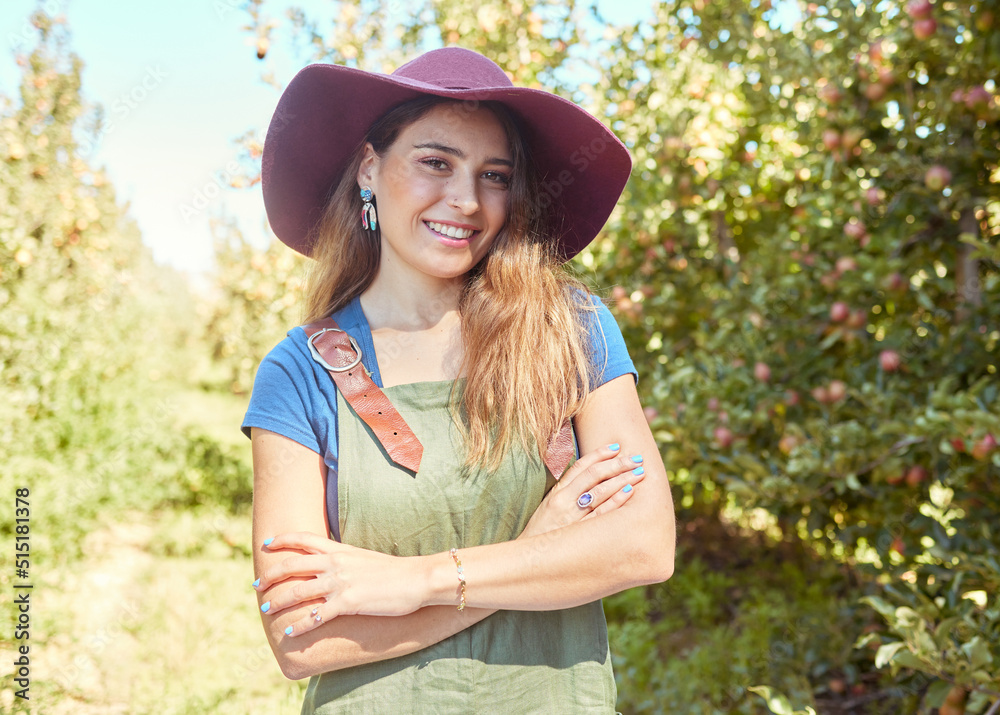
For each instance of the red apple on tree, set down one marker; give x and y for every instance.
(788, 442)
(855, 229)
(839, 311)
(858, 319)
(919, 9)
(723, 436)
(762, 372)
(925, 28)
(937, 177)
(875, 91)
(837, 390)
(916, 475)
(830, 94)
(896, 282)
(890, 360)
(845, 264)
(982, 449)
(831, 139)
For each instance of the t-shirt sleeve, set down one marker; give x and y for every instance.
(610, 358)
(279, 401)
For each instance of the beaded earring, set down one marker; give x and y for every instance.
(369, 220)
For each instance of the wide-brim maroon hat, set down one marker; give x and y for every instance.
(326, 111)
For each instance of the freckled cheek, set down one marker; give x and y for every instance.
(496, 209)
(413, 188)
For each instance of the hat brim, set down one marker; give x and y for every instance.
(326, 111)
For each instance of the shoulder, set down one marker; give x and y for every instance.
(606, 344)
(290, 396)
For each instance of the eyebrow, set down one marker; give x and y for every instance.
(460, 154)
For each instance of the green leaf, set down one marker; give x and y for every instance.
(906, 659)
(881, 605)
(886, 652)
(978, 652)
(776, 702)
(937, 693)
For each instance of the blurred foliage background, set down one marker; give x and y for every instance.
(805, 268)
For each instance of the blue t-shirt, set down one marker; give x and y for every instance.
(294, 396)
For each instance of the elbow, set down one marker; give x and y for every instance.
(293, 665)
(292, 668)
(659, 564)
(656, 552)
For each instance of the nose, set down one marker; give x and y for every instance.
(463, 195)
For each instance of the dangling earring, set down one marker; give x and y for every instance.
(368, 218)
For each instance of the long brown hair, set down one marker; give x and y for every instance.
(525, 343)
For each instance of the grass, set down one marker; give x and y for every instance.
(159, 617)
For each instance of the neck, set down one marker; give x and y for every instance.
(413, 302)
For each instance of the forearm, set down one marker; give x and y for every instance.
(564, 568)
(347, 641)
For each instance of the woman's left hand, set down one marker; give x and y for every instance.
(339, 580)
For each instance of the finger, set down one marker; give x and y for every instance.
(614, 501)
(610, 487)
(586, 461)
(588, 479)
(313, 619)
(314, 589)
(299, 565)
(302, 540)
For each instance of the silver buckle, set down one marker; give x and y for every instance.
(319, 358)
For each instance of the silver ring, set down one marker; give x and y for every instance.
(315, 612)
(585, 500)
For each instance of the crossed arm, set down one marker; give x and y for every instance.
(376, 606)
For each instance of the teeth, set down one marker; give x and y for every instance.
(450, 231)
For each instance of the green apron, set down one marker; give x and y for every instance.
(513, 662)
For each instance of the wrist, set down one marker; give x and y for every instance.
(440, 579)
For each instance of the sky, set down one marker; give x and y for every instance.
(179, 82)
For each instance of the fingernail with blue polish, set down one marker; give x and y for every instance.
(637, 458)
(288, 631)
(638, 470)
(614, 447)
(256, 583)
(267, 542)
(266, 607)
(627, 489)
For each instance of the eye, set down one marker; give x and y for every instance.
(435, 163)
(498, 177)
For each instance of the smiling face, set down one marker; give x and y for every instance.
(441, 190)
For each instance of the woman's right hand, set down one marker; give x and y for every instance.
(605, 473)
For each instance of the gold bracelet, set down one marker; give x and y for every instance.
(461, 576)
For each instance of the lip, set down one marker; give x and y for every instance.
(453, 242)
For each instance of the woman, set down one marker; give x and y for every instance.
(444, 347)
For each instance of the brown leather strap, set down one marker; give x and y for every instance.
(338, 350)
(343, 362)
(560, 450)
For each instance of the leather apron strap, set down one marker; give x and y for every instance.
(340, 354)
